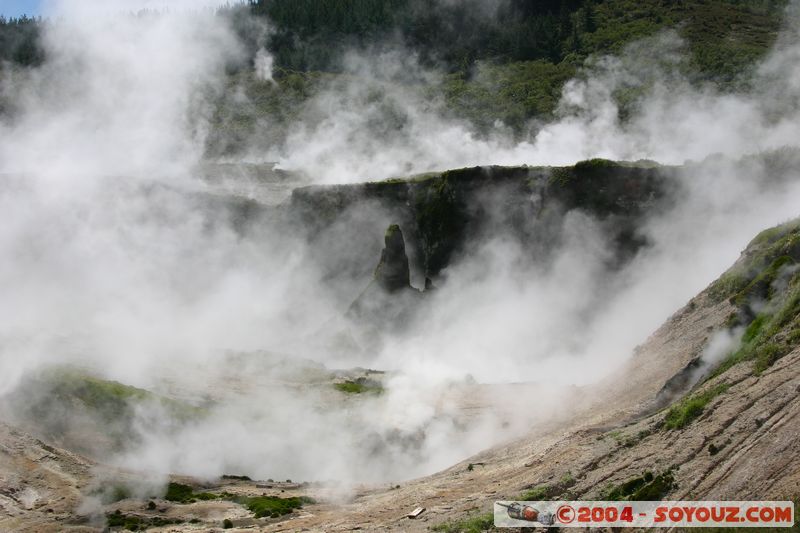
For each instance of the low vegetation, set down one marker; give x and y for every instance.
(537, 494)
(359, 386)
(765, 254)
(765, 280)
(766, 339)
(109, 398)
(473, 524)
(273, 506)
(507, 63)
(647, 487)
(684, 411)
(236, 477)
(129, 522)
(63, 396)
(19, 40)
(260, 506)
(180, 493)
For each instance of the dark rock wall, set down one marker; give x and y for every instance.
(443, 215)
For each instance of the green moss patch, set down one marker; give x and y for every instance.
(771, 250)
(765, 287)
(118, 520)
(260, 506)
(359, 386)
(772, 334)
(683, 412)
(180, 493)
(761, 286)
(57, 397)
(647, 487)
(236, 477)
(474, 524)
(109, 397)
(273, 506)
(548, 492)
(537, 494)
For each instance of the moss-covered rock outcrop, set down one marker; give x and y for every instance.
(392, 272)
(442, 213)
(764, 286)
(89, 414)
(389, 301)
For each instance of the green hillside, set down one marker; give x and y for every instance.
(724, 35)
(508, 64)
(505, 60)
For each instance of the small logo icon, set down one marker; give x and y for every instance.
(565, 514)
(517, 511)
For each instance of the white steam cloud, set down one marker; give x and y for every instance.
(118, 260)
(673, 122)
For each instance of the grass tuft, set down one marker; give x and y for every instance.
(358, 387)
(683, 412)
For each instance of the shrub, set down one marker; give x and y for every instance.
(236, 478)
(273, 506)
(179, 493)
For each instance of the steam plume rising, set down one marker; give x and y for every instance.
(121, 260)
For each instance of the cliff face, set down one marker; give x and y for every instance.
(441, 213)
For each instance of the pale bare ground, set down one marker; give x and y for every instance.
(40, 486)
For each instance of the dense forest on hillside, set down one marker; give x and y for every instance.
(19, 40)
(499, 60)
(310, 34)
(454, 33)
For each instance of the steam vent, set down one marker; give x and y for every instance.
(392, 272)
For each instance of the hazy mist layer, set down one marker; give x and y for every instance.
(116, 260)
